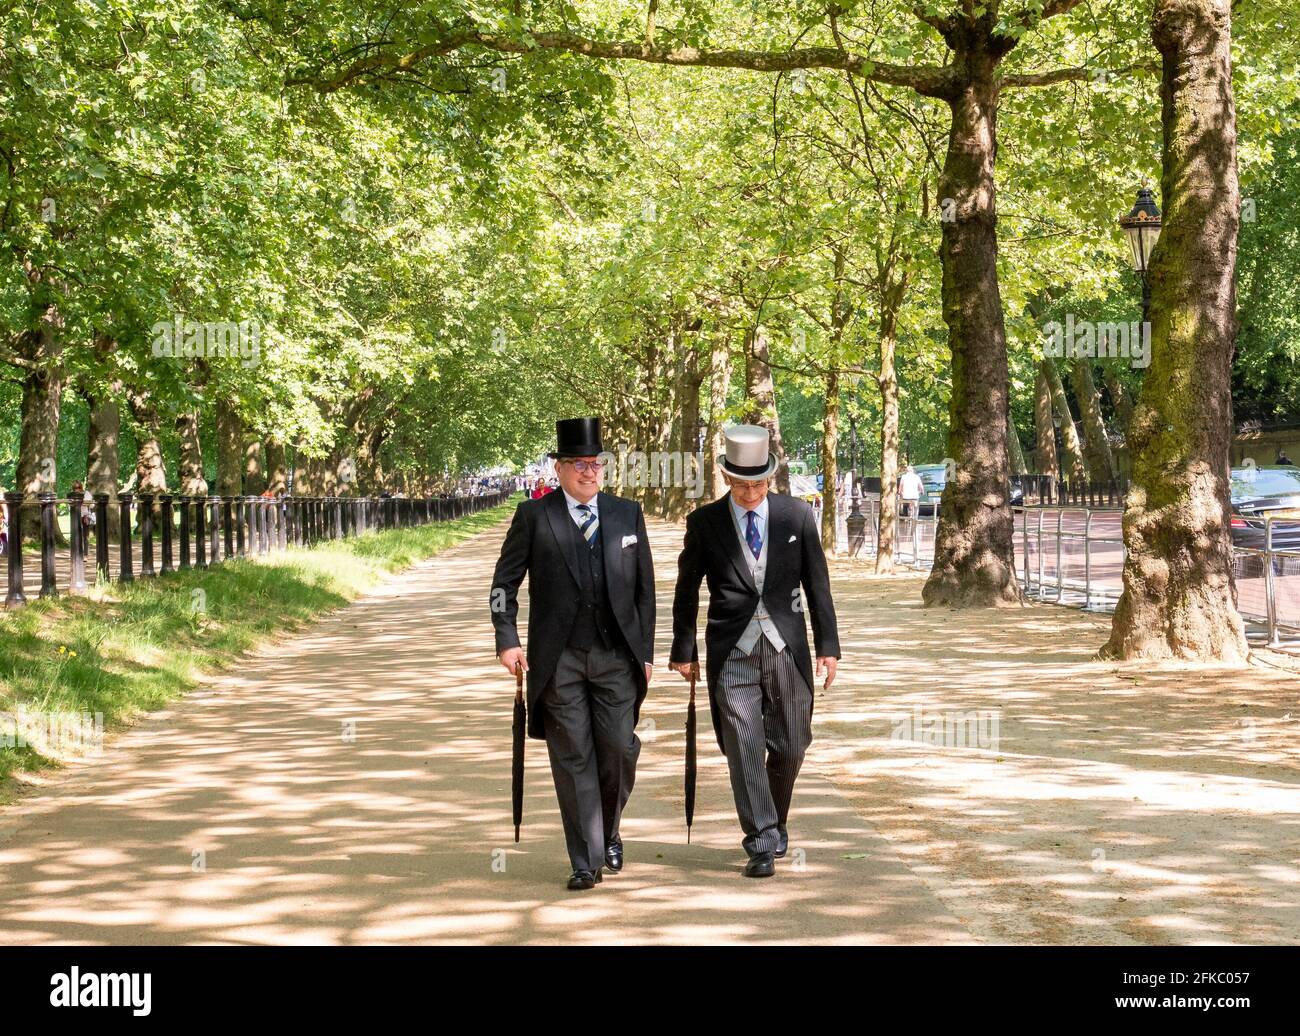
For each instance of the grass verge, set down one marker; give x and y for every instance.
(130, 649)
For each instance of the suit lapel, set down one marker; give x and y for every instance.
(724, 525)
(566, 532)
(779, 530)
(611, 536)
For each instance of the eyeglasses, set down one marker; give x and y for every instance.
(583, 466)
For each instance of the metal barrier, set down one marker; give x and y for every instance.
(1074, 556)
(1047, 491)
(1055, 540)
(1267, 578)
(249, 525)
(913, 533)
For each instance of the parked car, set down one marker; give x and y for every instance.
(934, 477)
(1260, 492)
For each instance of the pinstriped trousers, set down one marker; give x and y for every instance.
(765, 708)
(591, 739)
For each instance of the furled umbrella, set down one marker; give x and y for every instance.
(690, 753)
(517, 762)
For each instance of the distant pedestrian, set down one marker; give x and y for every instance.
(87, 508)
(910, 488)
(1282, 458)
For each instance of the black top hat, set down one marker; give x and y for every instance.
(577, 437)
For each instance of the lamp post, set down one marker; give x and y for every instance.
(1142, 228)
(853, 447)
(856, 523)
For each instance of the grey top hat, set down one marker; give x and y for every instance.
(749, 454)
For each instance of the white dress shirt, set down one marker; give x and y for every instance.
(760, 519)
(580, 517)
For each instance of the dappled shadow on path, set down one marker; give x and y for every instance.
(1125, 803)
(352, 786)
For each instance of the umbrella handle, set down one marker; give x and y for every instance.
(519, 681)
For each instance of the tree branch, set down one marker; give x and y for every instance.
(1054, 7)
(931, 80)
(943, 26)
(1078, 74)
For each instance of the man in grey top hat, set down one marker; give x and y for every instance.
(757, 550)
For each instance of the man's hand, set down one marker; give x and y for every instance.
(682, 667)
(510, 657)
(649, 670)
(828, 663)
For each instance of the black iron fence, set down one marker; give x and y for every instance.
(208, 531)
(1045, 490)
(1048, 491)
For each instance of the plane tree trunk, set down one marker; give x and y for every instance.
(1076, 470)
(891, 302)
(762, 396)
(719, 385)
(974, 564)
(1179, 599)
(1044, 431)
(230, 450)
(830, 467)
(1096, 443)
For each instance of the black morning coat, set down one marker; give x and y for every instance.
(543, 543)
(712, 551)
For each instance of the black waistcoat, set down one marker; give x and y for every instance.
(595, 622)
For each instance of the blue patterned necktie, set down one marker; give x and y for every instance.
(752, 537)
(590, 526)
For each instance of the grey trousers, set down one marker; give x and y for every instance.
(589, 707)
(765, 707)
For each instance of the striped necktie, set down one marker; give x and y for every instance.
(590, 526)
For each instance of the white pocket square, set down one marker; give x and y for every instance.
(629, 540)
(793, 538)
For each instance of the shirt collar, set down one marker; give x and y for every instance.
(760, 511)
(574, 503)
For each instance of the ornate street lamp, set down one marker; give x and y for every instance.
(1142, 228)
(853, 447)
(856, 522)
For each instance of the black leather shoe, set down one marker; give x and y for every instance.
(614, 854)
(760, 865)
(783, 842)
(581, 880)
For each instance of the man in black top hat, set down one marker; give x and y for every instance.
(591, 627)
